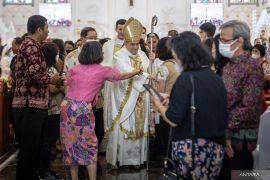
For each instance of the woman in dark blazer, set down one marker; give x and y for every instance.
(211, 110)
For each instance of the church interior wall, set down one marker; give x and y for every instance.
(102, 14)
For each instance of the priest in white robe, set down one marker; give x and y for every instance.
(109, 49)
(114, 45)
(127, 128)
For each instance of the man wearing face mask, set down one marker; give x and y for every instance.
(243, 79)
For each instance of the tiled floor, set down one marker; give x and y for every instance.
(122, 174)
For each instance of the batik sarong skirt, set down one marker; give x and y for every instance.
(207, 162)
(77, 133)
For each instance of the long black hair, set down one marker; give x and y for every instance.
(50, 51)
(143, 48)
(61, 46)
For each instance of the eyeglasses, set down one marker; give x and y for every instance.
(226, 41)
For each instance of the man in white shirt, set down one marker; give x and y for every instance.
(87, 33)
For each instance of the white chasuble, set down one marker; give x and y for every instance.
(127, 128)
(109, 49)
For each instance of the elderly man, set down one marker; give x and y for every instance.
(243, 78)
(127, 126)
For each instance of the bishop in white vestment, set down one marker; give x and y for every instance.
(127, 127)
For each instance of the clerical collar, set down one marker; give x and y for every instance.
(134, 56)
(129, 53)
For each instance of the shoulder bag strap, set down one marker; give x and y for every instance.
(192, 117)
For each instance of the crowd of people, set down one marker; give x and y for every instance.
(80, 94)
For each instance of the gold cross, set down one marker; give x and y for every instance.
(136, 61)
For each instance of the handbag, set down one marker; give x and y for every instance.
(173, 174)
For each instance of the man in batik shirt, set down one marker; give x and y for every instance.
(243, 78)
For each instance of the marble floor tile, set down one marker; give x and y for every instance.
(125, 173)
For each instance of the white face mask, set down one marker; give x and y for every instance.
(225, 49)
(255, 56)
(57, 57)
